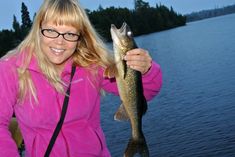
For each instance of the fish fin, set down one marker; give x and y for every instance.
(124, 69)
(137, 146)
(144, 106)
(111, 71)
(121, 114)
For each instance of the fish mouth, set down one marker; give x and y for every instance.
(120, 34)
(123, 30)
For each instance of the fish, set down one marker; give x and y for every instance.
(15, 132)
(129, 82)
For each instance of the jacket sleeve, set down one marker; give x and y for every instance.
(8, 147)
(152, 82)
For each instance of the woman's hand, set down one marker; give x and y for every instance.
(138, 59)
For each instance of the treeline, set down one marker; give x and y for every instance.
(142, 19)
(9, 39)
(210, 13)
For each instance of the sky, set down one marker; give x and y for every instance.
(13, 7)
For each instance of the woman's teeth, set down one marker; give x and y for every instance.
(57, 51)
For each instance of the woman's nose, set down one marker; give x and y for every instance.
(60, 39)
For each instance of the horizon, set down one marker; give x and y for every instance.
(32, 10)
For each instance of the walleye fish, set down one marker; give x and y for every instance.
(130, 88)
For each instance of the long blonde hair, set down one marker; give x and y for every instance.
(90, 50)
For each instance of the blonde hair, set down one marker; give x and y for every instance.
(90, 52)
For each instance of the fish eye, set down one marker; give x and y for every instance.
(129, 33)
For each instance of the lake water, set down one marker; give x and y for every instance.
(194, 114)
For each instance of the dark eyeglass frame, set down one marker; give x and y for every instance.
(58, 34)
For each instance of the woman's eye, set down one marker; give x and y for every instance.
(71, 34)
(50, 31)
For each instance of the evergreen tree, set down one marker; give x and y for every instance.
(100, 8)
(26, 21)
(16, 24)
(141, 4)
(17, 31)
(34, 16)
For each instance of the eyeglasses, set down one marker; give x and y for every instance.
(50, 33)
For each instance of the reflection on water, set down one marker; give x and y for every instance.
(194, 114)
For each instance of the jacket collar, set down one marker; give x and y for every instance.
(33, 64)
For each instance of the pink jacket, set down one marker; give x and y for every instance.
(81, 134)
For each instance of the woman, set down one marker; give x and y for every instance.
(35, 77)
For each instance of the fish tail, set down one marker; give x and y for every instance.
(137, 146)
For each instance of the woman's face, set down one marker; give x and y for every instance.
(55, 46)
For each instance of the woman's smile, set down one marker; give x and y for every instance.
(57, 51)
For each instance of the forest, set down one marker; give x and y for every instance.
(143, 19)
(204, 14)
